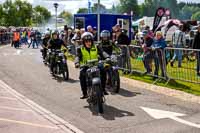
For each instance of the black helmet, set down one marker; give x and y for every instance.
(55, 32)
(105, 33)
(87, 36)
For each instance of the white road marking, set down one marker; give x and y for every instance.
(160, 114)
(4, 46)
(16, 109)
(27, 123)
(45, 113)
(8, 98)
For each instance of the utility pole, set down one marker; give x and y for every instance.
(98, 21)
(56, 6)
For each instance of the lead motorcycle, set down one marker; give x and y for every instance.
(94, 88)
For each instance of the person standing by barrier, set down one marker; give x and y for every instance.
(148, 56)
(16, 38)
(178, 41)
(159, 58)
(196, 45)
(123, 42)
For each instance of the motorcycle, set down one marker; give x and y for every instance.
(94, 88)
(113, 78)
(58, 63)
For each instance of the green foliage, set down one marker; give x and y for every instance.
(95, 8)
(67, 16)
(82, 10)
(40, 14)
(126, 6)
(21, 13)
(196, 16)
(187, 11)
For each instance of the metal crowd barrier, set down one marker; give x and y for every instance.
(161, 63)
(184, 66)
(5, 37)
(158, 62)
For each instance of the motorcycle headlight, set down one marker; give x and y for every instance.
(60, 54)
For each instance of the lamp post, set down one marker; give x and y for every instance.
(98, 23)
(56, 6)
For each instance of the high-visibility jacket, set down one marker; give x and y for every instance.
(16, 36)
(29, 33)
(93, 54)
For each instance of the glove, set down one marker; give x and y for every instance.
(77, 65)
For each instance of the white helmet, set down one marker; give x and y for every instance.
(87, 36)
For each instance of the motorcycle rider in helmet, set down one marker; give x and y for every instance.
(89, 51)
(106, 44)
(45, 45)
(55, 44)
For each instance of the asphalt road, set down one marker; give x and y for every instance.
(25, 72)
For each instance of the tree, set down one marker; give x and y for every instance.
(67, 16)
(41, 14)
(95, 8)
(149, 7)
(21, 13)
(187, 11)
(82, 10)
(126, 6)
(196, 16)
(24, 13)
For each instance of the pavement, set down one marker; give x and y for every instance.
(134, 110)
(20, 114)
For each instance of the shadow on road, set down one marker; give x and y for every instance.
(110, 112)
(124, 92)
(60, 80)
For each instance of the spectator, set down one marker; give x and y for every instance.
(158, 47)
(123, 42)
(76, 38)
(147, 58)
(95, 33)
(82, 30)
(196, 45)
(149, 32)
(178, 41)
(90, 29)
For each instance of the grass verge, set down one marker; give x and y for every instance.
(191, 88)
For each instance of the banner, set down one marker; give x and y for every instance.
(160, 12)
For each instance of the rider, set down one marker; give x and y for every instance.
(106, 44)
(45, 44)
(87, 52)
(55, 44)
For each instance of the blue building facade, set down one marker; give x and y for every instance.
(107, 21)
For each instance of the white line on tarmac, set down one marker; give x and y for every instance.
(16, 109)
(27, 123)
(4, 46)
(55, 119)
(8, 98)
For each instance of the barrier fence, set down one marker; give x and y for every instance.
(5, 37)
(169, 63)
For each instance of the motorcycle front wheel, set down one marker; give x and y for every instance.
(99, 97)
(116, 82)
(66, 72)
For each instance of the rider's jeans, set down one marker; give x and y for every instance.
(83, 82)
(178, 54)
